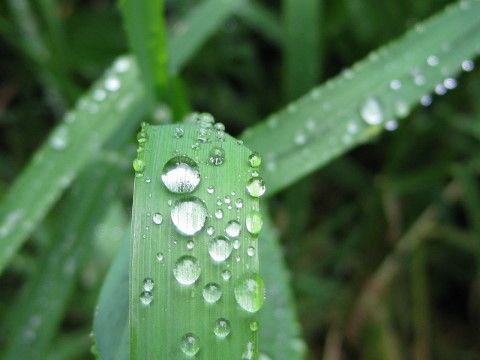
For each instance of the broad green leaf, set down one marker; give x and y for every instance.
(194, 282)
(354, 107)
(280, 334)
(301, 43)
(35, 316)
(146, 31)
(77, 140)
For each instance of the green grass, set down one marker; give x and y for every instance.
(366, 233)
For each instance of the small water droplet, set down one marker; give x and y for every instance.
(450, 83)
(391, 125)
(248, 353)
(146, 298)
(181, 175)
(210, 230)
(227, 199)
(395, 84)
(138, 165)
(216, 156)
(219, 214)
(157, 218)
(440, 89)
(190, 344)
(187, 270)
(251, 251)
(254, 222)
(112, 84)
(59, 139)
(300, 139)
(371, 111)
(468, 65)
(233, 228)
(226, 274)
(426, 100)
(189, 215)
(254, 326)
(179, 132)
(222, 328)
(236, 244)
(212, 293)
(160, 256)
(239, 203)
(401, 108)
(219, 126)
(148, 284)
(210, 189)
(220, 248)
(256, 187)
(255, 160)
(249, 293)
(433, 60)
(190, 244)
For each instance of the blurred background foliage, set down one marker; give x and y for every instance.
(383, 244)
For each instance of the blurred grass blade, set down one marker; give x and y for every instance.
(108, 105)
(33, 320)
(280, 334)
(302, 25)
(190, 33)
(261, 19)
(355, 106)
(146, 32)
(111, 316)
(192, 293)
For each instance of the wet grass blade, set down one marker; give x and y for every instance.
(194, 282)
(146, 32)
(108, 105)
(357, 105)
(277, 341)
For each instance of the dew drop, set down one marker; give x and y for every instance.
(112, 84)
(160, 257)
(468, 65)
(210, 230)
(395, 84)
(426, 100)
(256, 187)
(371, 111)
(440, 89)
(251, 251)
(222, 328)
(181, 175)
(219, 214)
(226, 274)
(189, 215)
(401, 108)
(254, 326)
(146, 298)
(300, 139)
(220, 248)
(148, 284)
(138, 165)
(219, 126)
(190, 244)
(227, 199)
(254, 222)
(255, 160)
(212, 293)
(233, 228)
(216, 156)
(450, 83)
(249, 293)
(157, 218)
(210, 189)
(190, 344)
(236, 244)
(433, 60)
(59, 139)
(391, 125)
(239, 203)
(248, 353)
(179, 132)
(187, 270)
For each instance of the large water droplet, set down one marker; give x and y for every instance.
(254, 222)
(220, 248)
(222, 328)
(190, 344)
(216, 156)
(187, 270)
(233, 228)
(249, 293)
(157, 218)
(180, 174)
(371, 111)
(189, 215)
(256, 187)
(212, 293)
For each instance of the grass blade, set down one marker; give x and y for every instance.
(191, 293)
(301, 46)
(277, 342)
(261, 19)
(354, 107)
(146, 31)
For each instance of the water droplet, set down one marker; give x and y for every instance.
(254, 222)
(187, 270)
(189, 215)
(59, 139)
(216, 156)
(450, 83)
(138, 165)
(210, 230)
(255, 160)
(210, 189)
(180, 175)
(219, 214)
(395, 84)
(254, 326)
(371, 111)
(401, 108)
(99, 95)
(468, 65)
(190, 344)
(112, 84)
(226, 274)
(251, 251)
(148, 284)
(146, 298)
(233, 228)
(212, 293)
(426, 100)
(236, 244)
(440, 89)
(222, 328)
(157, 218)
(190, 244)
(227, 199)
(249, 293)
(300, 139)
(220, 248)
(248, 353)
(263, 356)
(239, 203)
(433, 60)
(160, 256)
(219, 126)
(256, 187)
(179, 132)
(391, 125)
